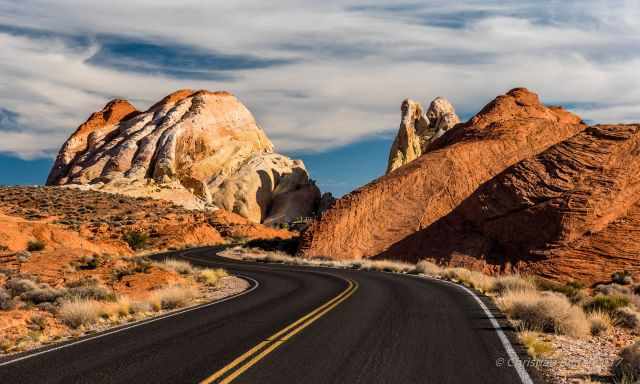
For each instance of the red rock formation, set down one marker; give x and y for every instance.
(519, 187)
(572, 212)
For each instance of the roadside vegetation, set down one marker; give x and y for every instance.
(544, 313)
(38, 312)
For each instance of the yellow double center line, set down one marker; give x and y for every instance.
(246, 361)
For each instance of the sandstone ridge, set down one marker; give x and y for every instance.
(519, 187)
(196, 148)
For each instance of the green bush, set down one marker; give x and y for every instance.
(35, 245)
(136, 239)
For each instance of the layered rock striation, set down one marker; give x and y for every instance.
(519, 187)
(196, 148)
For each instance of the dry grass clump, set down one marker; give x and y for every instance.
(91, 291)
(503, 284)
(171, 297)
(626, 317)
(18, 286)
(600, 323)
(122, 307)
(178, 266)
(608, 303)
(44, 294)
(473, 279)
(79, 312)
(536, 347)
(544, 311)
(6, 301)
(386, 266)
(627, 368)
(211, 276)
(428, 268)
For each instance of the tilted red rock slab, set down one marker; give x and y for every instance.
(368, 221)
(572, 212)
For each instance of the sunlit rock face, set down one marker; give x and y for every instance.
(520, 187)
(196, 148)
(418, 129)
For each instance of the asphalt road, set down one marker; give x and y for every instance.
(299, 325)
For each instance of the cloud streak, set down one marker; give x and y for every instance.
(317, 75)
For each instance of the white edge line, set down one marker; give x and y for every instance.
(513, 356)
(138, 323)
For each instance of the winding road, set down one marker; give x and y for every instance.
(297, 325)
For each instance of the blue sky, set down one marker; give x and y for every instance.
(324, 79)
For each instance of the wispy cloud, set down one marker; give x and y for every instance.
(316, 74)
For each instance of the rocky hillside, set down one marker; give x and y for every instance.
(519, 187)
(198, 149)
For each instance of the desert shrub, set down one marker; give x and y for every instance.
(44, 294)
(288, 246)
(6, 301)
(121, 307)
(136, 265)
(627, 368)
(90, 291)
(544, 311)
(18, 286)
(172, 297)
(573, 290)
(211, 276)
(600, 322)
(84, 281)
(503, 284)
(48, 307)
(473, 279)
(622, 278)
(381, 265)
(78, 312)
(136, 239)
(606, 303)
(626, 317)
(179, 266)
(141, 264)
(535, 347)
(454, 273)
(611, 289)
(37, 322)
(88, 263)
(35, 245)
(141, 306)
(428, 268)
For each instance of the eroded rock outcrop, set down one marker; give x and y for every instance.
(571, 212)
(418, 129)
(196, 148)
(519, 187)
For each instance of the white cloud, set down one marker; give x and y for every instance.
(353, 66)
